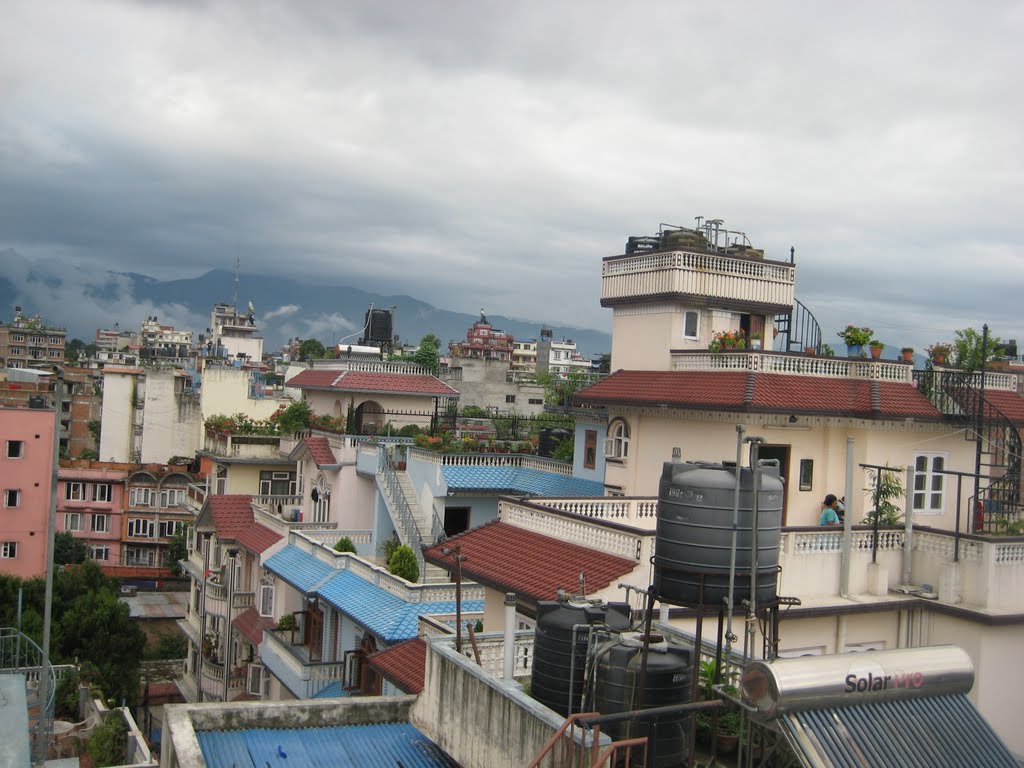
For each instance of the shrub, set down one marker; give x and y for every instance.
(345, 544)
(403, 564)
(108, 744)
(409, 430)
(286, 622)
(388, 547)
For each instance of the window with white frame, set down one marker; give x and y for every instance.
(102, 492)
(99, 523)
(929, 483)
(172, 497)
(169, 528)
(140, 556)
(277, 483)
(616, 446)
(12, 497)
(266, 600)
(72, 521)
(691, 324)
(74, 491)
(99, 553)
(255, 682)
(15, 449)
(141, 497)
(9, 550)
(139, 527)
(17, 337)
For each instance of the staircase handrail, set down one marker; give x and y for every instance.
(395, 498)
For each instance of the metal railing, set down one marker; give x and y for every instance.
(19, 654)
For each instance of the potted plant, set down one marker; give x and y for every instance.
(286, 623)
(938, 352)
(876, 349)
(755, 340)
(908, 354)
(855, 337)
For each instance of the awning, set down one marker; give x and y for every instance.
(930, 732)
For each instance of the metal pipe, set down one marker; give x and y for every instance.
(202, 614)
(847, 545)
(908, 525)
(44, 678)
(981, 413)
(755, 443)
(228, 644)
(509, 660)
(730, 599)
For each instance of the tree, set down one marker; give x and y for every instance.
(403, 564)
(67, 549)
(345, 544)
(73, 350)
(884, 486)
(429, 352)
(311, 349)
(967, 349)
(177, 549)
(605, 364)
(294, 418)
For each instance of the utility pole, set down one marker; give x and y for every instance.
(459, 558)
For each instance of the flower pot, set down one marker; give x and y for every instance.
(939, 359)
(908, 356)
(876, 352)
(810, 351)
(854, 350)
(727, 743)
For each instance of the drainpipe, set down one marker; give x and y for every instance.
(510, 636)
(229, 646)
(908, 526)
(847, 546)
(729, 636)
(42, 742)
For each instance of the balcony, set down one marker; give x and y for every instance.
(216, 598)
(213, 680)
(794, 365)
(243, 446)
(767, 284)
(290, 662)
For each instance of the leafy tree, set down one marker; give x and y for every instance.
(311, 349)
(108, 744)
(403, 564)
(345, 544)
(170, 645)
(95, 428)
(294, 418)
(885, 486)
(605, 364)
(429, 353)
(67, 549)
(177, 549)
(73, 350)
(967, 349)
(89, 453)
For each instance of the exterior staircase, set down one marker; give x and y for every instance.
(797, 331)
(415, 526)
(961, 397)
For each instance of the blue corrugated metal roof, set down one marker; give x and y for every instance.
(333, 691)
(298, 568)
(911, 733)
(518, 480)
(384, 745)
(387, 616)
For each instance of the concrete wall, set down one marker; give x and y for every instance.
(117, 413)
(484, 385)
(475, 718)
(226, 391)
(172, 425)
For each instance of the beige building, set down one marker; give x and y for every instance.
(27, 342)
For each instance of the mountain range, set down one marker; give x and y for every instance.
(83, 299)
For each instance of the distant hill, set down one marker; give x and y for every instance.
(83, 301)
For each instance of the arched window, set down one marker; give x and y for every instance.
(617, 444)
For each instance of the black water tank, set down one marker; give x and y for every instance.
(549, 439)
(666, 683)
(378, 325)
(694, 534)
(559, 657)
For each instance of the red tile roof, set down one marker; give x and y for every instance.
(530, 564)
(1009, 403)
(233, 520)
(764, 392)
(251, 624)
(403, 664)
(320, 450)
(364, 381)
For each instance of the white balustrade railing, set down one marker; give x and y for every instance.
(792, 365)
(642, 512)
(582, 532)
(524, 460)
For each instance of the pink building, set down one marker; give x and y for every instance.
(26, 471)
(90, 501)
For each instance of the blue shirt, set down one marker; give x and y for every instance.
(828, 517)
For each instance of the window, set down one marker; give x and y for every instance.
(100, 523)
(99, 553)
(15, 449)
(691, 325)
(72, 521)
(806, 474)
(277, 483)
(141, 497)
(9, 550)
(255, 685)
(17, 350)
(617, 444)
(536, 401)
(74, 491)
(12, 497)
(55, 353)
(174, 497)
(929, 484)
(56, 340)
(169, 528)
(140, 556)
(17, 337)
(102, 492)
(266, 597)
(510, 398)
(140, 527)
(590, 449)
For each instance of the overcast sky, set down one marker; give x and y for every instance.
(489, 154)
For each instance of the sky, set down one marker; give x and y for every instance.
(490, 154)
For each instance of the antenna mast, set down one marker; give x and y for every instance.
(234, 299)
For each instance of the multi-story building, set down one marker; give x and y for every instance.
(559, 357)
(483, 341)
(90, 506)
(114, 339)
(524, 355)
(155, 511)
(162, 343)
(28, 342)
(233, 335)
(26, 474)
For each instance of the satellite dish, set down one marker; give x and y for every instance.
(252, 309)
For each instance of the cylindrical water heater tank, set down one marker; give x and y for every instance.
(694, 534)
(560, 650)
(788, 685)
